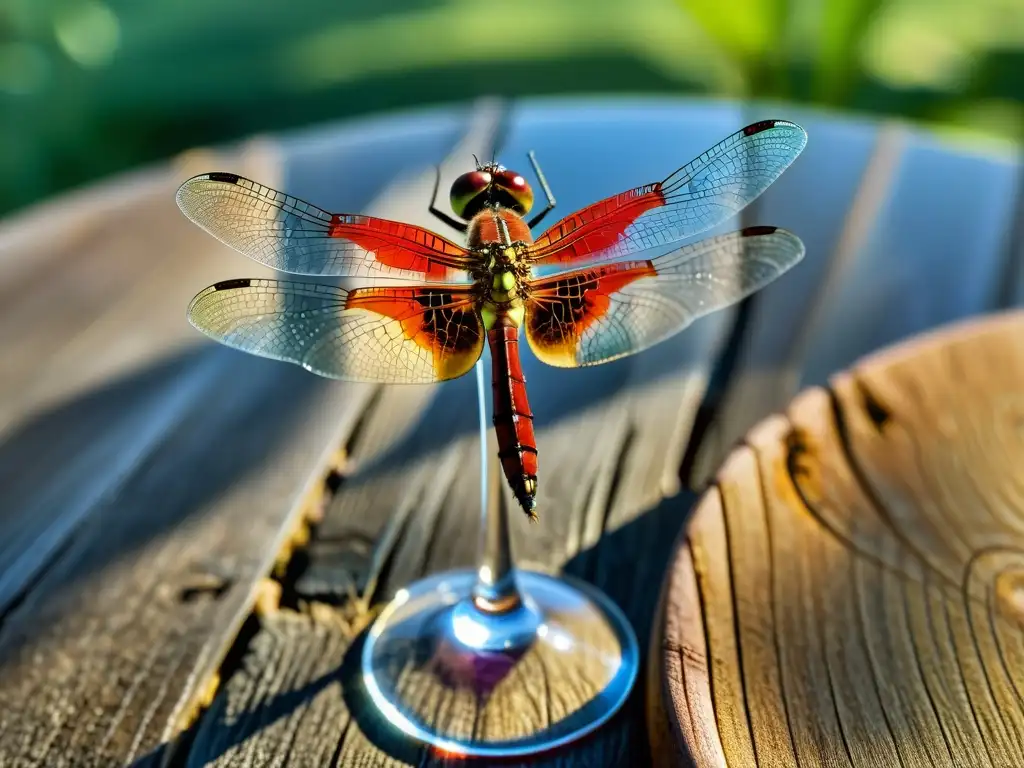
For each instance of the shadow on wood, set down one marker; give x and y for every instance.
(167, 548)
(302, 679)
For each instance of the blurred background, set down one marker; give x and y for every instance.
(90, 87)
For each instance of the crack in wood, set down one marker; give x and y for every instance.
(336, 757)
(178, 750)
(878, 413)
(208, 586)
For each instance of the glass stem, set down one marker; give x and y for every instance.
(495, 590)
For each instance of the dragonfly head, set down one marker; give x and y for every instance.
(490, 185)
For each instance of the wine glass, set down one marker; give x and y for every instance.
(498, 660)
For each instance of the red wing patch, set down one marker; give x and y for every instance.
(596, 314)
(400, 246)
(442, 323)
(597, 227)
(562, 308)
(415, 335)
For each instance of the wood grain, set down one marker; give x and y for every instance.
(97, 368)
(848, 590)
(150, 480)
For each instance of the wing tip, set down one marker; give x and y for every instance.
(227, 285)
(761, 230)
(223, 285)
(800, 249)
(759, 126)
(794, 130)
(223, 176)
(758, 230)
(188, 186)
(187, 196)
(766, 125)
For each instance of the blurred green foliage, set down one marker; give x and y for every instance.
(89, 87)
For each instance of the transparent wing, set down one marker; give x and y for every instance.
(291, 235)
(604, 312)
(407, 335)
(700, 195)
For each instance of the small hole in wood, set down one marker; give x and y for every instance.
(204, 585)
(333, 480)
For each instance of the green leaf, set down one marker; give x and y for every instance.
(844, 25)
(751, 31)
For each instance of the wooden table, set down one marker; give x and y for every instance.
(191, 539)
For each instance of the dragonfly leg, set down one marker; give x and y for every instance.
(451, 222)
(543, 185)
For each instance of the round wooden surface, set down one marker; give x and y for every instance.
(850, 590)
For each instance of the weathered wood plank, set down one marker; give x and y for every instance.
(855, 567)
(207, 465)
(99, 370)
(107, 655)
(611, 439)
(935, 255)
(292, 694)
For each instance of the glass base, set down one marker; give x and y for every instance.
(472, 683)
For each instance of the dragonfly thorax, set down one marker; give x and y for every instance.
(501, 285)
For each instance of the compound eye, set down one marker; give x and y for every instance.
(517, 188)
(467, 188)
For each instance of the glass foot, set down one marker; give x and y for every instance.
(535, 677)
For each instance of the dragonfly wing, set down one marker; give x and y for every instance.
(697, 197)
(607, 311)
(415, 334)
(291, 235)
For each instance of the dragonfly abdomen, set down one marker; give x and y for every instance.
(513, 419)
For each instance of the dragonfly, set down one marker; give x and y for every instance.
(616, 279)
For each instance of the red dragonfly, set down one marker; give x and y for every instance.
(427, 304)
